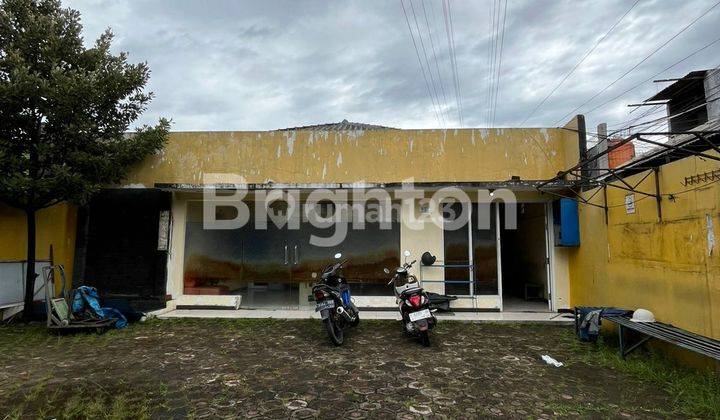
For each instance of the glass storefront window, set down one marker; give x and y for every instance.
(266, 264)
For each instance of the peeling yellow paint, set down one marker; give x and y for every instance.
(55, 226)
(374, 156)
(637, 261)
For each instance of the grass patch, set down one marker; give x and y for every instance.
(693, 393)
(106, 407)
(41, 402)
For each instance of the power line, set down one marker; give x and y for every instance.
(691, 106)
(450, 33)
(427, 62)
(653, 110)
(432, 45)
(585, 56)
(706, 46)
(422, 69)
(437, 32)
(495, 28)
(455, 66)
(497, 84)
(682, 105)
(669, 117)
(491, 64)
(639, 63)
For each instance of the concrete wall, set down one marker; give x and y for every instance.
(315, 157)
(712, 94)
(56, 226)
(636, 261)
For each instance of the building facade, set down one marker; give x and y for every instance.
(147, 239)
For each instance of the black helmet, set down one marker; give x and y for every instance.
(427, 258)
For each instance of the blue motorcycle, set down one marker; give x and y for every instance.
(332, 300)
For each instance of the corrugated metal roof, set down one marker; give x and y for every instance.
(343, 125)
(694, 77)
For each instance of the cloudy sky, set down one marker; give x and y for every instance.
(260, 65)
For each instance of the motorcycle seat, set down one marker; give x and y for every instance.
(410, 292)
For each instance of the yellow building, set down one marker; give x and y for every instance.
(146, 239)
(666, 262)
(654, 246)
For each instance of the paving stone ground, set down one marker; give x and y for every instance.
(288, 369)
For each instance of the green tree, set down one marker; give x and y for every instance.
(64, 113)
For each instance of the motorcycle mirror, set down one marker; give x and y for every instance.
(338, 255)
(406, 253)
(386, 270)
(313, 275)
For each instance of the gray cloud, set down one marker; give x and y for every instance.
(248, 65)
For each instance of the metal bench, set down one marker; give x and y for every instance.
(663, 332)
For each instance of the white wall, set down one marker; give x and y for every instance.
(418, 238)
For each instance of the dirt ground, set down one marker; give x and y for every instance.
(281, 369)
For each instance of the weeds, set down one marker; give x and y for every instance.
(692, 393)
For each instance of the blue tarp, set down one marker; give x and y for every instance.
(86, 301)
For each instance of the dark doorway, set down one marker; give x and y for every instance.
(117, 248)
(524, 259)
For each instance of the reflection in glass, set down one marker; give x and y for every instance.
(457, 249)
(266, 263)
(485, 250)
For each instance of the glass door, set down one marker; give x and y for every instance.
(268, 259)
(368, 250)
(470, 238)
(458, 258)
(252, 261)
(484, 249)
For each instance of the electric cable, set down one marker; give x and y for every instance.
(584, 57)
(427, 63)
(422, 69)
(685, 28)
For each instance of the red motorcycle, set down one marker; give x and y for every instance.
(413, 302)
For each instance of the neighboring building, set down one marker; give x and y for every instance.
(617, 156)
(657, 247)
(667, 261)
(117, 248)
(691, 101)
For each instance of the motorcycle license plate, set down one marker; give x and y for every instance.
(416, 316)
(325, 304)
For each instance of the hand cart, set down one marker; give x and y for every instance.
(59, 312)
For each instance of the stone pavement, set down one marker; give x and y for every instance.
(278, 369)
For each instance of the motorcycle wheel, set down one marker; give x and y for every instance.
(334, 332)
(425, 338)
